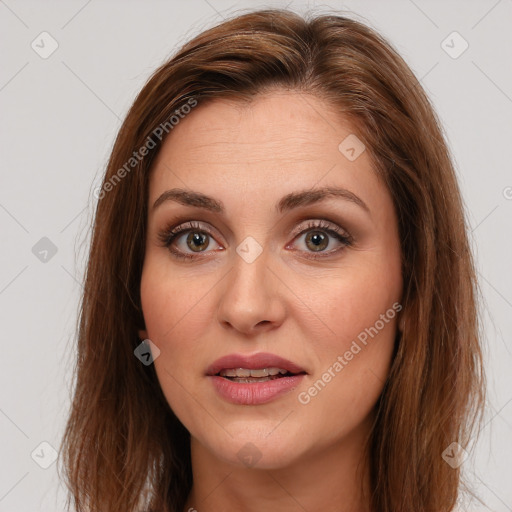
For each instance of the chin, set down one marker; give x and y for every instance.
(257, 451)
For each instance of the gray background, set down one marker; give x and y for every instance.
(59, 116)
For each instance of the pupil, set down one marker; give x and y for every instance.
(318, 239)
(197, 241)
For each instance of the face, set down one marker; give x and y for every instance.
(291, 262)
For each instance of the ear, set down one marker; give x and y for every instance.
(401, 324)
(143, 334)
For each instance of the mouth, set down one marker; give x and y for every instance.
(258, 367)
(249, 376)
(254, 379)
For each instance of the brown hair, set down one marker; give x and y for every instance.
(122, 438)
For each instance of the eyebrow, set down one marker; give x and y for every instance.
(287, 203)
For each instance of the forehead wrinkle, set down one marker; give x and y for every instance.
(234, 151)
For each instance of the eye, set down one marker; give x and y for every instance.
(317, 235)
(197, 239)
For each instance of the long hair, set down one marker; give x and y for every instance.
(123, 448)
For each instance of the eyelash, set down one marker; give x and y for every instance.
(170, 234)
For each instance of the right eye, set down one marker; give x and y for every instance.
(198, 238)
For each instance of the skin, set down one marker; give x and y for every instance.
(308, 311)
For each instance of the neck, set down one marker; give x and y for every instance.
(328, 479)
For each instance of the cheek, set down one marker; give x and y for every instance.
(173, 304)
(341, 309)
(177, 315)
(343, 395)
(357, 308)
(171, 309)
(354, 348)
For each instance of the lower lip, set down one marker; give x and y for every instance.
(254, 393)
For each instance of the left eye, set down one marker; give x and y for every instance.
(317, 235)
(316, 240)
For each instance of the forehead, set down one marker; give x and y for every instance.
(281, 141)
(294, 125)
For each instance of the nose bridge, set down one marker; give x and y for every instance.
(247, 298)
(249, 275)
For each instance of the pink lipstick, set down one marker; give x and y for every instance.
(255, 379)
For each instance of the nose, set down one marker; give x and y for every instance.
(251, 300)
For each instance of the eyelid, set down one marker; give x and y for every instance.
(322, 225)
(167, 233)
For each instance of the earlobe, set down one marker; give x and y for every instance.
(143, 335)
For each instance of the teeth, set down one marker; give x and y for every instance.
(245, 372)
(252, 380)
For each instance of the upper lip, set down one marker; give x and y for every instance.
(253, 362)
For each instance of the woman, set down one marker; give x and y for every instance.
(280, 303)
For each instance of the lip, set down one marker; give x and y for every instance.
(253, 362)
(254, 393)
